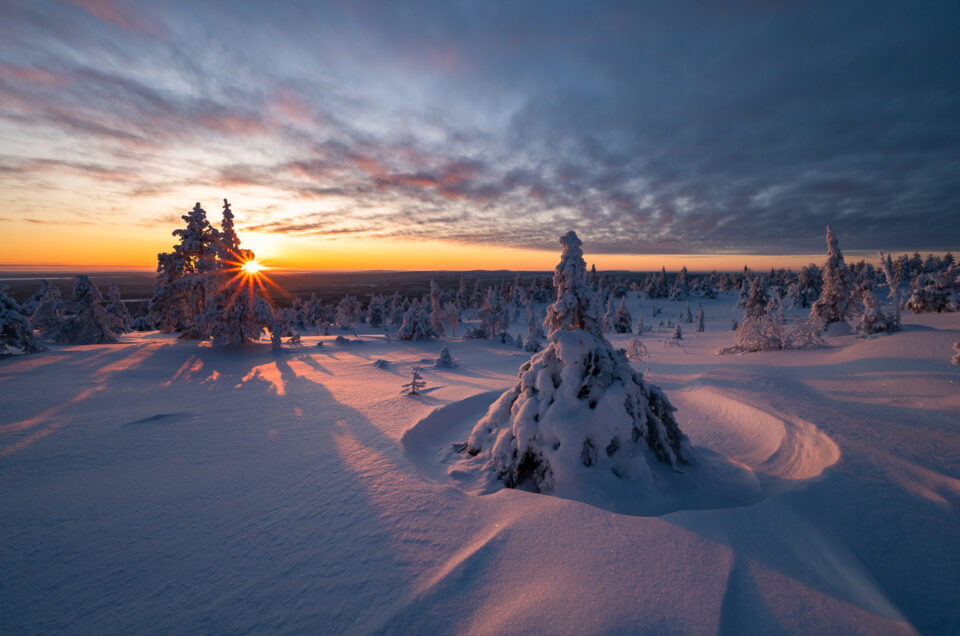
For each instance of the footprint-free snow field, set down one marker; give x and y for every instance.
(161, 486)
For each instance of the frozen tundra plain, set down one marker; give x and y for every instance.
(161, 486)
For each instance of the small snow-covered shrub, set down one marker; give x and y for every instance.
(636, 350)
(140, 323)
(873, 319)
(807, 335)
(956, 353)
(444, 360)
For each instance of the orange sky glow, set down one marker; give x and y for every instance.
(89, 247)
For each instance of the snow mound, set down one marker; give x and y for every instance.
(770, 445)
(745, 456)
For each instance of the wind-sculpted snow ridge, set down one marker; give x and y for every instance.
(776, 446)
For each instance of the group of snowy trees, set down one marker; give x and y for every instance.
(84, 318)
(204, 291)
(844, 295)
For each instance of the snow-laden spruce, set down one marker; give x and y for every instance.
(835, 302)
(16, 332)
(85, 321)
(579, 415)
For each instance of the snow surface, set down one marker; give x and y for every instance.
(158, 486)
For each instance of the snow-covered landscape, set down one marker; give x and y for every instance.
(158, 484)
(535, 318)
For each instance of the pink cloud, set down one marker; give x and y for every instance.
(118, 13)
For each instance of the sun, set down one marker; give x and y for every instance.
(252, 267)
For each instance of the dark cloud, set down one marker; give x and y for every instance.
(669, 128)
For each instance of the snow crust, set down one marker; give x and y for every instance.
(161, 486)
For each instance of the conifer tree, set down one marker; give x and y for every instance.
(84, 319)
(700, 325)
(579, 412)
(416, 323)
(415, 385)
(16, 332)
(436, 310)
(680, 288)
(838, 286)
(120, 319)
(179, 298)
(622, 320)
(48, 315)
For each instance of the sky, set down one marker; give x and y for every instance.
(471, 135)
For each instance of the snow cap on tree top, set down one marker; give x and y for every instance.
(577, 306)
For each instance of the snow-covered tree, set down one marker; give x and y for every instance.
(273, 320)
(658, 285)
(415, 385)
(140, 323)
(376, 311)
(84, 319)
(493, 316)
(636, 350)
(230, 315)
(579, 414)
(687, 314)
(444, 360)
(754, 297)
(835, 300)
(416, 323)
(677, 332)
(956, 353)
(934, 291)
(451, 317)
(680, 287)
(348, 313)
(16, 332)
(119, 315)
(395, 310)
(576, 306)
(180, 295)
(608, 315)
(872, 318)
(806, 287)
(436, 310)
(700, 325)
(622, 320)
(807, 335)
(48, 314)
(641, 328)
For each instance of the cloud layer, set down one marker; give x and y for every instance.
(671, 129)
